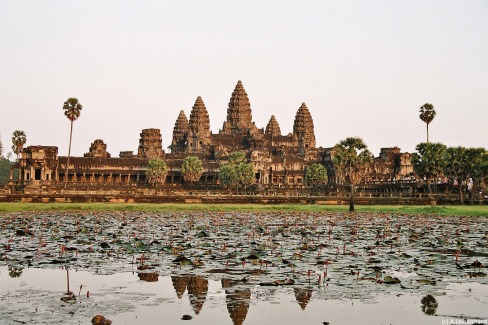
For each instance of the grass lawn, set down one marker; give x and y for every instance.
(430, 210)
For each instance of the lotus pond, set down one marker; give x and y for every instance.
(242, 268)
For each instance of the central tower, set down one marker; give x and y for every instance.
(239, 118)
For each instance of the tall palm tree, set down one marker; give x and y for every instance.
(18, 141)
(427, 114)
(72, 109)
(351, 159)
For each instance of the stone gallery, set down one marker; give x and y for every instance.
(278, 160)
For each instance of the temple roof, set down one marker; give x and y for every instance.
(181, 128)
(199, 120)
(303, 128)
(273, 128)
(239, 111)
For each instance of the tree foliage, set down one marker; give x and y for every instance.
(1, 148)
(351, 159)
(72, 110)
(156, 172)
(5, 165)
(236, 171)
(455, 163)
(316, 175)
(18, 140)
(429, 161)
(427, 114)
(191, 169)
(476, 157)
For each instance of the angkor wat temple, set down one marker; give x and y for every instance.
(279, 160)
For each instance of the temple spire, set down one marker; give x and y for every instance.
(303, 128)
(273, 128)
(239, 116)
(180, 133)
(199, 134)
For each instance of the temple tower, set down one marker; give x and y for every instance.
(150, 144)
(303, 129)
(199, 125)
(180, 133)
(273, 128)
(239, 118)
(98, 149)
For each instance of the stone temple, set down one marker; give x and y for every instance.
(278, 159)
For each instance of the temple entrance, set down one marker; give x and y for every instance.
(37, 174)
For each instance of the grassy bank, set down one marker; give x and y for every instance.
(435, 210)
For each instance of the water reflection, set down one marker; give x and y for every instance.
(179, 283)
(197, 291)
(226, 301)
(148, 277)
(14, 272)
(68, 296)
(429, 305)
(303, 296)
(237, 301)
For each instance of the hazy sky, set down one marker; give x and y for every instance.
(363, 68)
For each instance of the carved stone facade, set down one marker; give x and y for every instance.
(150, 144)
(180, 133)
(303, 130)
(278, 160)
(199, 127)
(98, 149)
(273, 128)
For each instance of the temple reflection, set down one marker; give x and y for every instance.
(179, 283)
(148, 277)
(303, 296)
(197, 292)
(237, 301)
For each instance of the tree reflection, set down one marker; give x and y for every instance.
(15, 272)
(429, 305)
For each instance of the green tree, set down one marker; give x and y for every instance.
(455, 167)
(429, 161)
(18, 141)
(476, 158)
(72, 109)
(156, 172)
(191, 169)
(1, 148)
(316, 175)
(5, 166)
(352, 158)
(236, 171)
(427, 114)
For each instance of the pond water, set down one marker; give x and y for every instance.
(35, 298)
(242, 268)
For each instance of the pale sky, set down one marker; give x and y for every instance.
(363, 68)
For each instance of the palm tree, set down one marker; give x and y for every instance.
(351, 159)
(18, 141)
(72, 109)
(427, 114)
(191, 169)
